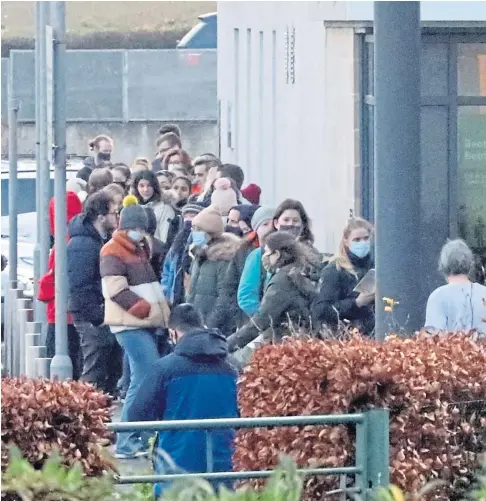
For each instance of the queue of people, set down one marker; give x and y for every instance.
(177, 273)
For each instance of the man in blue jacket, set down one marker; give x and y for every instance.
(88, 232)
(196, 381)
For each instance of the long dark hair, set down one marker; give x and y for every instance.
(149, 176)
(290, 204)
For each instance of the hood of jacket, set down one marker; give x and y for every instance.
(82, 227)
(89, 162)
(223, 248)
(203, 345)
(73, 208)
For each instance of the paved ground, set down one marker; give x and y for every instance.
(128, 467)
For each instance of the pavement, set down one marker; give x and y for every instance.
(129, 467)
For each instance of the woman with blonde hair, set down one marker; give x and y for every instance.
(337, 300)
(99, 179)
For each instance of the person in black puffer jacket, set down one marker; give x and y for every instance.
(101, 146)
(337, 301)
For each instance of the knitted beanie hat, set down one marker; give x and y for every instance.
(262, 215)
(210, 221)
(224, 196)
(133, 216)
(252, 193)
(192, 208)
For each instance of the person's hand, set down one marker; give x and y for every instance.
(212, 176)
(364, 299)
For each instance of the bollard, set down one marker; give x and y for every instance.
(33, 350)
(42, 365)
(20, 321)
(11, 335)
(8, 327)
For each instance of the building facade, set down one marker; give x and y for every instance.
(295, 85)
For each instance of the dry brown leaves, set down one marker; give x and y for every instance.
(39, 415)
(435, 388)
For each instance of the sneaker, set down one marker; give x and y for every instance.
(135, 455)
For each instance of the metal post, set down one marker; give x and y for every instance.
(12, 182)
(43, 178)
(378, 453)
(397, 154)
(38, 43)
(61, 366)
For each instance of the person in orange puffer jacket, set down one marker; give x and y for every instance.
(46, 291)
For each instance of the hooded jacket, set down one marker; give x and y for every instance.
(227, 315)
(47, 283)
(208, 273)
(85, 298)
(287, 298)
(133, 298)
(336, 300)
(196, 381)
(88, 165)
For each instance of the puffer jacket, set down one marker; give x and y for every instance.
(227, 315)
(287, 298)
(89, 165)
(208, 272)
(133, 298)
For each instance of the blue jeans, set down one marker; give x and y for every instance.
(141, 348)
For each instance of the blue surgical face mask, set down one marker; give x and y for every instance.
(199, 238)
(360, 249)
(134, 235)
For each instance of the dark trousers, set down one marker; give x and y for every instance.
(102, 356)
(74, 349)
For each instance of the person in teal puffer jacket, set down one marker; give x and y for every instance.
(253, 277)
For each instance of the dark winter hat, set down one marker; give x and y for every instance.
(246, 212)
(152, 220)
(252, 193)
(192, 208)
(133, 216)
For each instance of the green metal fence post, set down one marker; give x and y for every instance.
(362, 452)
(378, 448)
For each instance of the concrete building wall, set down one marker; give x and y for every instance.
(131, 139)
(294, 135)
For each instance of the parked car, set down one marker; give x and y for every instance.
(204, 35)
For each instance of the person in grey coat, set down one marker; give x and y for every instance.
(212, 250)
(461, 304)
(287, 297)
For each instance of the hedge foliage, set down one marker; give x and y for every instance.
(435, 388)
(40, 416)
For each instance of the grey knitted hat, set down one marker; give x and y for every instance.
(261, 215)
(133, 216)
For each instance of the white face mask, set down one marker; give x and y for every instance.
(134, 235)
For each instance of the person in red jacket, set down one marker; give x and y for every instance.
(46, 291)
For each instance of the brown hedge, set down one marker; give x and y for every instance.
(39, 416)
(435, 388)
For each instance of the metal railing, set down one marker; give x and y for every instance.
(371, 468)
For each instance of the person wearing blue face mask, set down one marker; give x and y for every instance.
(337, 301)
(134, 308)
(212, 250)
(173, 269)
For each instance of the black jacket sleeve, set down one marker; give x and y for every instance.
(224, 314)
(332, 303)
(86, 298)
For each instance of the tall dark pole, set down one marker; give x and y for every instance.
(397, 164)
(61, 366)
